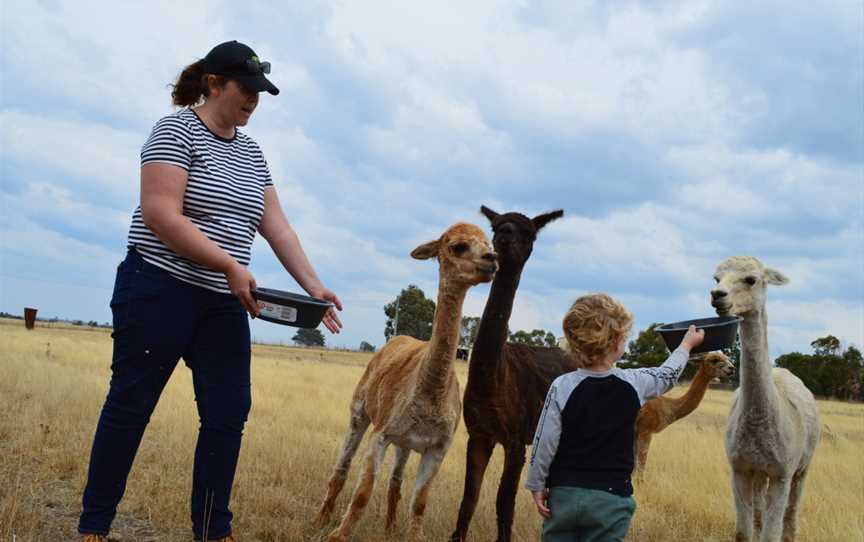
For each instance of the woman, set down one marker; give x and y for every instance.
(184, 289)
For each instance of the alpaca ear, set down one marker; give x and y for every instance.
(426, 251)
(696, 359)
(489, 213)
(774, 277)
(541, 220)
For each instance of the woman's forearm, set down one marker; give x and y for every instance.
(286, 245)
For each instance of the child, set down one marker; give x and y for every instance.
(579, 474)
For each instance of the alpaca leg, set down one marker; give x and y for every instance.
(790, 518)
(374, 458)
(394, 493)
(742, 490)
(643, 442)
(357, 428)
(760, 487)
(476, 461)
(514, 460)
(775, 506)
(430, 462)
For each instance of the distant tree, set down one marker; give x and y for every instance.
(855, 363)
(806, 367)
(827, 372)
(648, 350)
(93, 323)
(468, 331)
(536, 337)
(409, 314)
(366, 347)
(308, 337)
(826, 346)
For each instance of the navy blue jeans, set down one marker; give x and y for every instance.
(157, 320)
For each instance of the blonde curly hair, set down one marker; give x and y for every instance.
(594, 325)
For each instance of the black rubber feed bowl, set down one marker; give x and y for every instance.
(290, 309)
(720, 333)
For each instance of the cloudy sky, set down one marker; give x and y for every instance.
(673, 135)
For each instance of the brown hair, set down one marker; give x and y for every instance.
(191, 86)
(594, 325)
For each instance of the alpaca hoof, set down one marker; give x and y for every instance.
(336, 537)
(416, 535)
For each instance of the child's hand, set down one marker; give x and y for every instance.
(693, 338)
(540, 498)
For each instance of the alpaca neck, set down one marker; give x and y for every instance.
(758, 394)
(688, 402)
(493, 328)
(436, 369)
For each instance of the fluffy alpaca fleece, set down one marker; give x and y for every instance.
(507, 383)
(409, 392)
(774, 424)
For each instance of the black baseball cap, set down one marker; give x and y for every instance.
(238, 61)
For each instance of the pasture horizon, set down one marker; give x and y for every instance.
(53, 381)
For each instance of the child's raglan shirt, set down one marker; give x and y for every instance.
(585, 434)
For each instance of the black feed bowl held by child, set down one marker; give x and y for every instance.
(720, 333)
(290, 309)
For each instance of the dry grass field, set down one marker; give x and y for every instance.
(53, 382)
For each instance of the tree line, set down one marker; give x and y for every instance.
(829, 371)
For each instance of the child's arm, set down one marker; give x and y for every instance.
(653, 381)
(545, 442)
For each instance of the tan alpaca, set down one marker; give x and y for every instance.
(409, 391)
(774, 423)
(658, 413)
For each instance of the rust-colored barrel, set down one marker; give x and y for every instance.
(29, 317)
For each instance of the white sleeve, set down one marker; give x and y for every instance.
(653, 381)
(545, 442)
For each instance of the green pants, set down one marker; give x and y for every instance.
(587, 515)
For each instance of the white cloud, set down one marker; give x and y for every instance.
(57, 203)
(757, 184)
(94, 156)
(630, 242)
(51, 250)
(396, 120)
(797, 323)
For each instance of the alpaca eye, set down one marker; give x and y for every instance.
(459, 248)
(717, 280)
(750, 280)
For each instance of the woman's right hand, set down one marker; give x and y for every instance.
(241, 282)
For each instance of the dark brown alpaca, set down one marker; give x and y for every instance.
(507, 383)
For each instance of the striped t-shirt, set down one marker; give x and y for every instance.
(224, 194)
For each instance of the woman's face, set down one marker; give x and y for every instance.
(235, 102)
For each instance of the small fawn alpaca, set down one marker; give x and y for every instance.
(658, 413)
(409, 392)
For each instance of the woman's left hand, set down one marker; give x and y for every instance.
(331, 318)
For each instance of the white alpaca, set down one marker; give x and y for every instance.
(774, 423)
